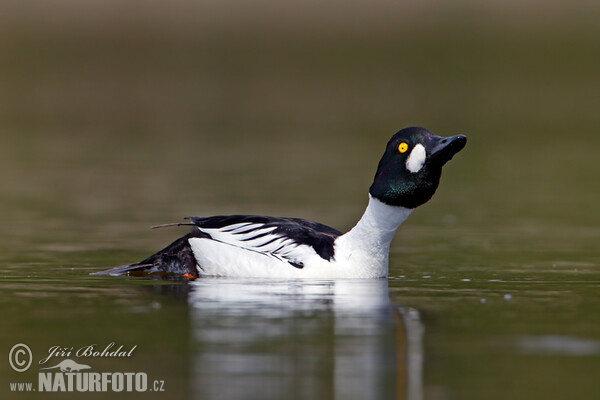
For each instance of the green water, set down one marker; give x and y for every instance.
(493, 288)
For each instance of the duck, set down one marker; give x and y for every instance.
(253, 246)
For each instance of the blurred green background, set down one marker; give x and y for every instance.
(113, 113)
(119, 115)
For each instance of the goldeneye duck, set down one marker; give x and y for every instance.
(257, 246)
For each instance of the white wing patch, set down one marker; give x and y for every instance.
(416, 159)
(258, 238)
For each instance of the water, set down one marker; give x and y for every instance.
(493, 287)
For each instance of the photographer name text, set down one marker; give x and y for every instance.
(92, 350)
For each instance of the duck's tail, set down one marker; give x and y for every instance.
(175, 259)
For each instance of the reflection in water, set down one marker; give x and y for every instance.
(410, 347)
(298, 339)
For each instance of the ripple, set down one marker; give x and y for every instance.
(558, 345)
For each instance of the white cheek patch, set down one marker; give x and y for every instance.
(416, 159)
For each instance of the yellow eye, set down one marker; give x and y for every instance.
(402, 147)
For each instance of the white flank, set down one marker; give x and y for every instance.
(217, 258)
(416, 159)
(249, 250)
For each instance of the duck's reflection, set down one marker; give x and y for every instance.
(307, 340)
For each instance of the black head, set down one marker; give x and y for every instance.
(410, 169)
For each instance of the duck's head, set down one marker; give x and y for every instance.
(410, 169)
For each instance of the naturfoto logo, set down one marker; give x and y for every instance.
(71, 380)
(71, 376)
(69, 366)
